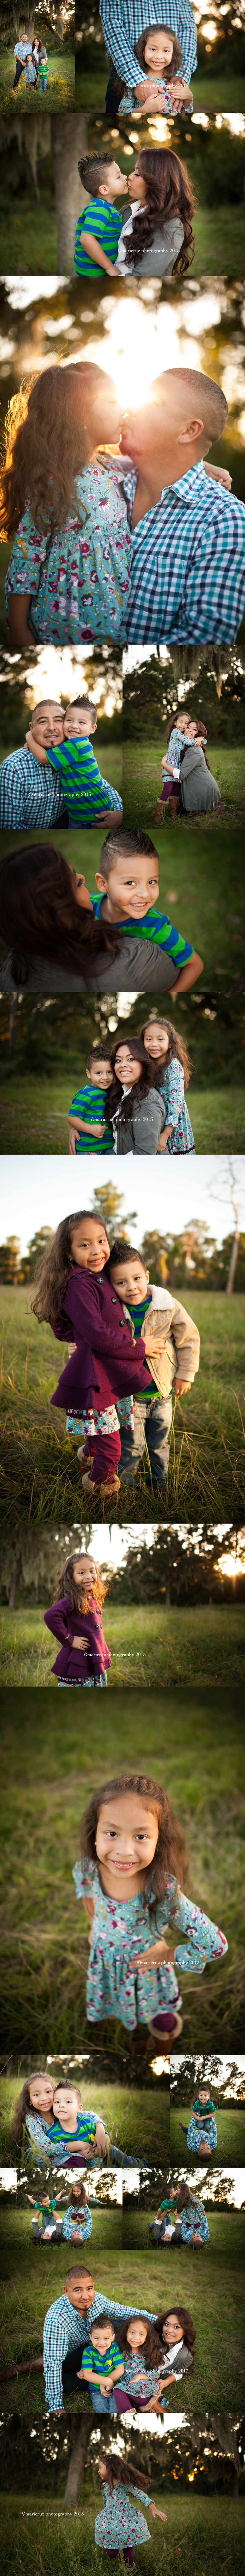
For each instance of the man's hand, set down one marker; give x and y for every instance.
(180, 93)
(182, 1385)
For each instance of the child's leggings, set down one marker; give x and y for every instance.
(102, 1455)
(169, 789)
(128, 2556)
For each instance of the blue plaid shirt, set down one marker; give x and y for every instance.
(188, 563)
(28, 794)
(123, 21)
(21, 51)
(63, 2329)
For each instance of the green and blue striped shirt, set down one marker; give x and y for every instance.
(101, 220)
(155, 926)
(86, 792)
(91, 1103)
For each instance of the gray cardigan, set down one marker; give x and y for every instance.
(139, 967)
(140, 1133)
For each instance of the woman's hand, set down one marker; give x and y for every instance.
(163, 1140)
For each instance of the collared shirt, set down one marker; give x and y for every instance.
(123, 21)
(102, 220)
(21, 51)
(28, 794)
(188, 563)
(64, 2329)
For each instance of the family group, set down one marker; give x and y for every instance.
(31, 60)
(121, 528)
(133, 1100)
(128, 2360)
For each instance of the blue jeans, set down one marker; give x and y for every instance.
(156, 1419)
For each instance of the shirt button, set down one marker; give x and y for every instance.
(113, 1301)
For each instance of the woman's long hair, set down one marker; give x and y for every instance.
(148, 2351)
(139, 1090)
(186, 2198)
(179, 718)
(119, 2472)
(81, 1599)
(49, 438)
(41, 917)
(75, 2204)
(176, 1047)
(19, 2115)
(170, 1855)
(176, 64)
(169, 193)
(52, 1274)
(184, 2320)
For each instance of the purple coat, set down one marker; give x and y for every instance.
(105, 1363)
(66, 1623)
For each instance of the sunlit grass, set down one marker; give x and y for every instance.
(60, 92)
(147, 1643)
(230, 2125)
(38, 1471)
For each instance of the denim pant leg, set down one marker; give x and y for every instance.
(132, 1446)
(101, 2405)
(157, 1429)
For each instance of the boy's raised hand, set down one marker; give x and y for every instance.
(182, 1385)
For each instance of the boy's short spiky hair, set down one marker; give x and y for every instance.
(92, 170)
(99, 1054)
(121, 1251)
(83, 702)
(131, 842)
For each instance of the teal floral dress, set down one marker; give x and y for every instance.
(53, 2144)
(172, 1090)
(114, 1985)
(78, 579)
(120, 2523)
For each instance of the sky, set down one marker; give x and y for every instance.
(110, 1545)
(231, 2091)
(235, 2175)
(39, 1190)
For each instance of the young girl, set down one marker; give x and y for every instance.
(142, 2379)
(194, 2225)
(120, 2526)
(167, 1056)
(139, 1118)
(165, 89)
(77, 2222)
(157, 238)
(132, 1848)
(68, 576)
(78, 1626)
(102, 1363)
(56, 2124)
(202, 2132)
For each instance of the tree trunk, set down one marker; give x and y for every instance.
(69, 140)
(233, 1262)
(14, 1582)
(78, 2462)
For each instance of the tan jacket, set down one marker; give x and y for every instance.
(180, 1340)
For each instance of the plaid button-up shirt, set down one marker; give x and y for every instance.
(123, 21)
(28, 794)
(188, 563)
(63, 2329)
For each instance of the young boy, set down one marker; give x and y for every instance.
(179, 1342)
(102, 2363)
(99, 226)
(89, 1129)
(87, 795)
(128, 887)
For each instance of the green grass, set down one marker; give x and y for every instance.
(36, 1108)
(147, 1644)
(29, 232)
(38, 1471)
(142, 781)
(60, 92)
(230, 2125)
(137, 2121)
(200, 2530)
(47, 1776)
(219, 247)
(30, 2283)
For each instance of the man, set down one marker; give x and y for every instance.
(28, 794)
(20, 52)
(123, 21)
(66, 2328)
(188, 562)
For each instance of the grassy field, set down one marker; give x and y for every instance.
(38, 1471)
(137, 2120)
(60, 92)
(230, 2125)
(47, 1776)
(29, 2285)
(146, 1643)
(29, 232)
(197, 2529)
(36, 1108)
(142, 781)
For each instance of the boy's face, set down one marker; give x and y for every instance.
(89, 1244)
(47, 723)
(131, 1281)
(79, 720)
(102, 2336)
(67, 2102)
(132, 887)
(99, 1073)
(113, 185)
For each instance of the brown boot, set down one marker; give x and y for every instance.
(173, 808)
(160, 814)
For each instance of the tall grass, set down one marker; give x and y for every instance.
(38, 1467)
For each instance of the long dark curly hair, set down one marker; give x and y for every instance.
(169, 193)
(184, 2320)
(49, 438)
(23, 2105)
(81, 1599)
(176, 64)
(186, 2199)
(53, 1272)
(148, 2351)
(170, 1856)
(40, 915)
(176, 1047)
(119, 2472)
(139, 1090)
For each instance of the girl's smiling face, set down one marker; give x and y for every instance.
(41, 2092)
(158, 50)
(84, 1571)
(156, 1038)
(89, 1245)
(126, 1839)
(137, 2333)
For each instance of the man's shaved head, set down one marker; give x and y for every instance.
(44, 705)
(197, 394)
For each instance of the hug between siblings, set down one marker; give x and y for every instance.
(131, 1342)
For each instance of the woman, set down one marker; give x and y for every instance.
(119, 2525)
(202, 2132)
(68, 577)
(77, 2223)
(157, 239)
(75, 1618)
(194, 2225)
(139, 1119)
(177, 2336)
(192, 788)
(169, 1063)
(56, 943)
